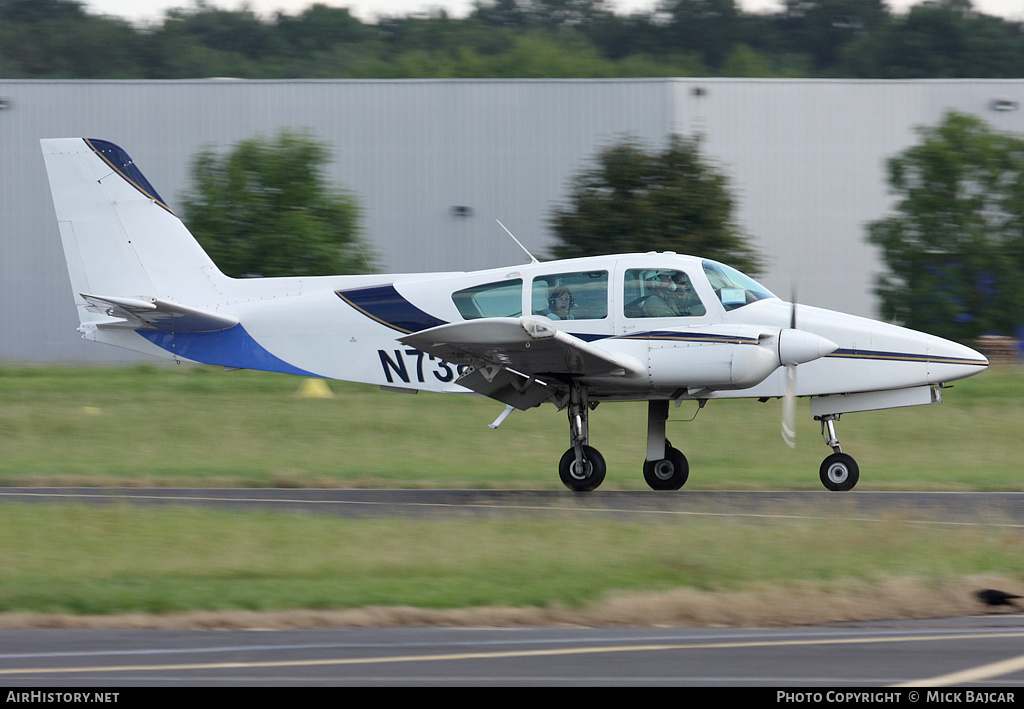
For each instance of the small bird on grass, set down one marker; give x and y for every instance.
(992, 597)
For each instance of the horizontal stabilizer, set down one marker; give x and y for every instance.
(147, 313)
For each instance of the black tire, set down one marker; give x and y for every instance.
(839, 472)
(592, 475)
(669, 473)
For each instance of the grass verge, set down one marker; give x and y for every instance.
(121, 559)
(152, 425)
(197, 426)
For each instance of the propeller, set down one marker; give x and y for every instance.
(789, 399)
(797, 347)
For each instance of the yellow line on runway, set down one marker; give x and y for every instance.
(502, 654)
(975, 674)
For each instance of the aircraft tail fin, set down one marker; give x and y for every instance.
(121, 240)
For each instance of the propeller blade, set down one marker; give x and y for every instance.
(789, 400)
(789, 408)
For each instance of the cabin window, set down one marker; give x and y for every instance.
(503, 299)
(582, 295)
(733, 288)
(660, 293)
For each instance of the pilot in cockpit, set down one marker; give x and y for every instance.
(659, 304)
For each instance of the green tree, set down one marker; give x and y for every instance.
(947, 38)
(265, 209)
(746, 62)
(821, 28)
(57, 38)
(707, 27)
(552, 14)
(954, 247)
(637, 200)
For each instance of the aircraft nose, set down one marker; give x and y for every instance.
(948, 361)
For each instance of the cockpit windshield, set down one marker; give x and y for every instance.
(733, 288)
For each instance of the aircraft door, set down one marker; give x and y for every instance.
(576, 300)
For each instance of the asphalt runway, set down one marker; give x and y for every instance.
(945, 508)
(984, 653)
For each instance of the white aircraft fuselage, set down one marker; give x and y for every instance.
(659, 327)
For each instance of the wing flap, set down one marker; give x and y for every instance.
(507, 386)
(149, 313)
(528, 345)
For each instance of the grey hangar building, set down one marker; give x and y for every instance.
(435, 164)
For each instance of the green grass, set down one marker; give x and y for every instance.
(99, 560)
(151, 425)
(198, 426)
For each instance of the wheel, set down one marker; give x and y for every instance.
(669, 473)
(590, 477)
(839, 472)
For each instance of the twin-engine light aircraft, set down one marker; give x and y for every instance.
(655, 327)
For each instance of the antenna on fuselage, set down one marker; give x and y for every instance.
(532, 258)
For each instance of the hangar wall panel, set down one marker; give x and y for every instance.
(806, 159)
(409, 150)
(808, 164)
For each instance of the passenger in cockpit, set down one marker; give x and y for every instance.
(684, 298)
(560, 303)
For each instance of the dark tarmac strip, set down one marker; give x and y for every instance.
(980, 653)
(948, 508)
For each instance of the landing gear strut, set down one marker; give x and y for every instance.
(839, 471)
(581, 468)
(666, 467)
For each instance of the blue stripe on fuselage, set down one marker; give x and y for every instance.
(385, 305)
(904, 357)
(690, 336)
(233, 347)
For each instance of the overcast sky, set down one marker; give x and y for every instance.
(368, 10)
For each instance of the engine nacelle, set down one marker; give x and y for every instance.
(738, 360)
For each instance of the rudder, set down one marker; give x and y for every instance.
(120, 238)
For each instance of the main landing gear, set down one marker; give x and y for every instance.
(665, 468)
(839, 471)
(582, 468)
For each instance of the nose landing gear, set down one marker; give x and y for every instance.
(839, 472)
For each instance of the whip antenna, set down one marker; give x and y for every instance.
(532, 259)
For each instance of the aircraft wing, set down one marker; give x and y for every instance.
(519, 361)
(156, 314)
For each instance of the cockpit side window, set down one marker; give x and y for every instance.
(491, 300)
(733, 288)
(664, 293)
(571, 296)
